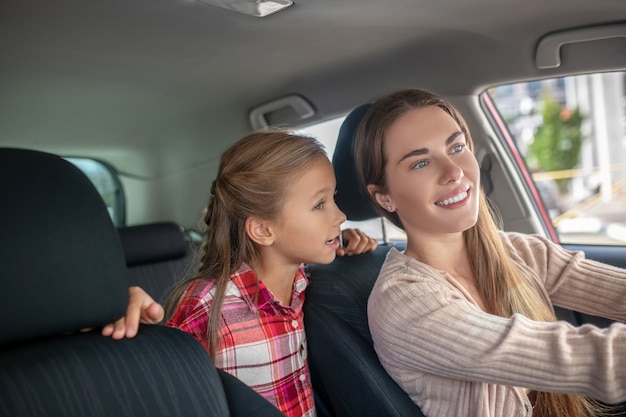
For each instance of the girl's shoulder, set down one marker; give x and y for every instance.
(203, 289)
(199, 290)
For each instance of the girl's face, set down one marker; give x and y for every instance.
(309, 225)
(433, 177)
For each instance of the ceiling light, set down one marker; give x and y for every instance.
(258, 8)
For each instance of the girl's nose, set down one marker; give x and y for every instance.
(341, 217)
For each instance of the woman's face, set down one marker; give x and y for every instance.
(433, 177)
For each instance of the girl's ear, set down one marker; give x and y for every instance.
(382, 199)
(259, 231)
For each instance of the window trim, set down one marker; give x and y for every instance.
(498, 124)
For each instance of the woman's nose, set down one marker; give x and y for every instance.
(451, 172)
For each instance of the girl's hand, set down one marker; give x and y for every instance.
(356, 242)
(141, 309)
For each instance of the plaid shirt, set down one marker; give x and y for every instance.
(263, 344)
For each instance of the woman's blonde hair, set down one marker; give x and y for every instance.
(252, 177)
(502, 285)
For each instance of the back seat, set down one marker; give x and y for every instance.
(158, 255)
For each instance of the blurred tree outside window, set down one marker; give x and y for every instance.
(557, 141)
(572, 134)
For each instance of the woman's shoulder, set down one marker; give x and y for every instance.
(525, 242)
(536, 252)
(400, 269)
(397, 262)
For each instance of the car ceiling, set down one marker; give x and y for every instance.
(157, 87)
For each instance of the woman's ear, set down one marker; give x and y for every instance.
(382, 199)
(259, 231)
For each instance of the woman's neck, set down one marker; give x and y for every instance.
(448, 253)
(440, 251)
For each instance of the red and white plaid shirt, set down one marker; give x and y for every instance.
(263, 343)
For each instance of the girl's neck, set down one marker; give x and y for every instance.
(278, 278)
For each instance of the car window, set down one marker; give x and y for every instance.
(381, 229)
(571, 134)
(105, 179)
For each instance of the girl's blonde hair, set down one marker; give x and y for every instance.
(502, 285)
(252, 177)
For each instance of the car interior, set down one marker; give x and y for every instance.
(50, 369)
(156, 91)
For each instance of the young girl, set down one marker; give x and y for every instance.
(271, 209)
(463, 319)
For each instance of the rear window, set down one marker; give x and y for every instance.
(104, 177)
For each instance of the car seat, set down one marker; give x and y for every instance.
(345, 371)
(158, 256)
(64, 270)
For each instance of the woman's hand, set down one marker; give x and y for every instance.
(356, 242)
(141, 309)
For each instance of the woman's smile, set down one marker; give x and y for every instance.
(456, 200)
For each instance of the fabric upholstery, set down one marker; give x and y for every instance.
(350, 198)
(62, 262)
(344, 286)
(160, 277)
(242, 401)
(160, 372)
(154, 242)
(158, 256)
(345, 371)
(349, 379)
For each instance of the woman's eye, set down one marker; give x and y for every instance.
(458, 147)
(419, 164)
(319, 206)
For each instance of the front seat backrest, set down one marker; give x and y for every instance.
(63, 270)
(345, 371)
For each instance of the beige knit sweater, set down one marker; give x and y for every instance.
(455, 360)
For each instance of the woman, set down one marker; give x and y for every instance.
(463, 319)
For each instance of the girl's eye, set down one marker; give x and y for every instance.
(419, 164)
(319, 206)
(458, 147)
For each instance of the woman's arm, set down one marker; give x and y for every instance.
(572, 281)
(422, 325)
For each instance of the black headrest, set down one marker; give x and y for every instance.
(351, 198)
(62, 262)
(155, 242)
